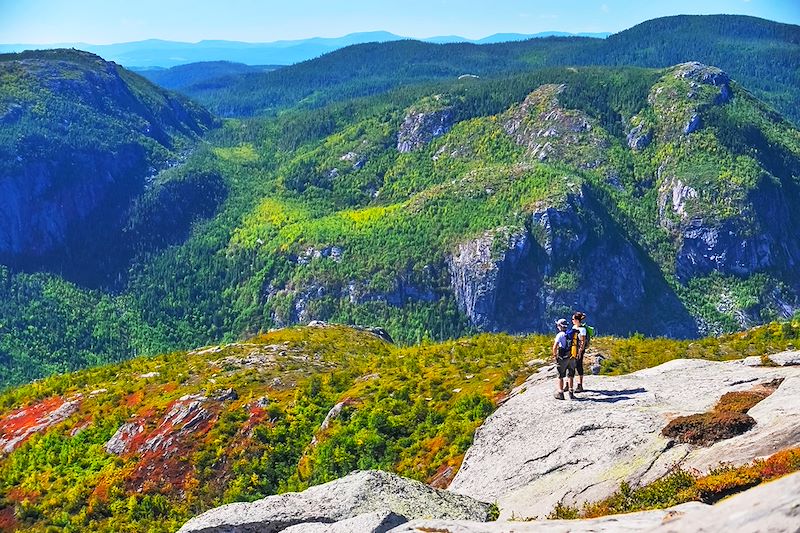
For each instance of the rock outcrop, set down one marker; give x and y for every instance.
(550, 132)
(535, 452)
(769, 507)
(21, 424)
(160, 449)
(478, 267)
(345, 499)
(509, 279)
(422, 126)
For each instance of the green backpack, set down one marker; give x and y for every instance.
(589, 333)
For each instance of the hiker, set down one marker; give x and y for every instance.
(564, 362)
(578, 338)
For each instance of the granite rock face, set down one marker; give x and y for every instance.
(535, 452)
(769, 507)
(357, 494)
(377, 522)
(419, 128)
(522, 279)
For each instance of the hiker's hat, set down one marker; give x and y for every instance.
(562, 322)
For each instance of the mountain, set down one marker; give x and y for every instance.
(159, 53)
(146, 444)
(202, 73)
(438, 210)
(433, 210)
(502, 205)
(81, 139)
(761, 54)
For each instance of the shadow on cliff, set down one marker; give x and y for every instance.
(582, 259)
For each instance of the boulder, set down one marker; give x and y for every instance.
(356, 494)
(788, 358)
(535, 451)
(377, 522)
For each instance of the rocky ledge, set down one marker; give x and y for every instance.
(362, 501)
(535, 452)
(769, 507)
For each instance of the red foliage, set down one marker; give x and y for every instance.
(19, 425)
(164, 451)
(781, 463)
(7, 520)
(133, 398)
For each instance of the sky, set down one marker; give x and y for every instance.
(116, 21)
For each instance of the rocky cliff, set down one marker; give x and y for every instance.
(566, 257)
(81, 136)
(735, 227)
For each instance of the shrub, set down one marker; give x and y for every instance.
(726, 420)
(707, 428)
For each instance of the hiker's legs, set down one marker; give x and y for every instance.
(571, 373)
(579, 369)
(561, 366)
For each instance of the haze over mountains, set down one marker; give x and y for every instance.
(156, 53)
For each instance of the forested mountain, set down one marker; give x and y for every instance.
(761, 54)
(203, 72)
(81, 138)
(160, 54)
(660, 201)
(378, 186)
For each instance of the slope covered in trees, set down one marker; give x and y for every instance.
(761, 54)
(436, 210)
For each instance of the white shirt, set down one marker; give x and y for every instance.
(561, 339)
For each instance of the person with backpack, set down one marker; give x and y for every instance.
(579, 341)
(565, 363)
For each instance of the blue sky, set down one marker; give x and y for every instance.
(114, 21)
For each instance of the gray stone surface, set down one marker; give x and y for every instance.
(348, 497)
(644, 521)
(788, 358)
(420, 128)
(772, 507)
(377, 522)
(535, 452)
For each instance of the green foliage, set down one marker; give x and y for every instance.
(758, 53)
(680, 486)
(409, 410)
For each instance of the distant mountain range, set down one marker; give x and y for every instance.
(157, 53)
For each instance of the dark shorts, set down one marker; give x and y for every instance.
(579, 365)
(566, 366)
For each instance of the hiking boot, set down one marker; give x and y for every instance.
(559, 395)
(579, 388)
(571, 395)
